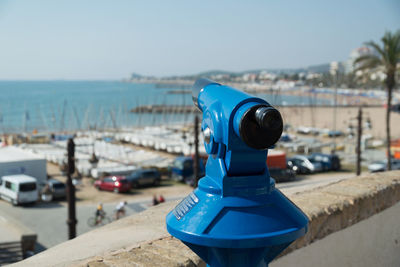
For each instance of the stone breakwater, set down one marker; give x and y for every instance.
(159, 109)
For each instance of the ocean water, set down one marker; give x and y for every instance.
(50, 106)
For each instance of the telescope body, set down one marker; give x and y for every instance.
(236, 216)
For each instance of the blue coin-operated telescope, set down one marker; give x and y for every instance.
(236, 216)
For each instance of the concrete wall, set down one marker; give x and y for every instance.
(371, 242)
(347, 220)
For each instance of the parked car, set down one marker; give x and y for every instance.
(395, 108)
(296, 165)
(57, 188)
(303, 165)
(285, 137)
(335, 133)
(118, 184)
(303, 130)
(381, 165)
(19, 189)
(182, 170)
(329, 162)
(144, 177)
(282, 175)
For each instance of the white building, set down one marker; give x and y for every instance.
(14, 160)
(361, 51)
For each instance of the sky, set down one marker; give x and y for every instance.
(109, 40)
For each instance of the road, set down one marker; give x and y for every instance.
(48, 220)
(7, 231)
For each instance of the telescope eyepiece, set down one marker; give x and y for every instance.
(261, 127)
(269, 118)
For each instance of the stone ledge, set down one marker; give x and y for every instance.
(166, 252)
(142, 240)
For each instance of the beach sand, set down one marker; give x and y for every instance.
(322, 117)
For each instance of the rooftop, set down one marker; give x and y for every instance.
(19, 178)
(12, 153)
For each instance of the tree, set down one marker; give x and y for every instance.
(384, 58)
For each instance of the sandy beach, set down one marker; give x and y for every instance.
(322, 117)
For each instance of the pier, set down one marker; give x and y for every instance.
(164, 109)
(190, 108)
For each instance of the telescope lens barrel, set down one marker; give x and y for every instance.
(198, 87)
(261, 127)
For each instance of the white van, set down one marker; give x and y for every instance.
(19, 189)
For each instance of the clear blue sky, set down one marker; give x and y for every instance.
(96, 39)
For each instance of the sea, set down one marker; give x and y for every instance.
(61, 106)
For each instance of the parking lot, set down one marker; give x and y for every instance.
(86, 193)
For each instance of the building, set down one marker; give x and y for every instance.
(361, 51)
(14, 160)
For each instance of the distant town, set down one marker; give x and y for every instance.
(334, 74)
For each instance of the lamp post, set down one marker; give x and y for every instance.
(71, 190)
(196, 151)
(334, 68)
(359, 134)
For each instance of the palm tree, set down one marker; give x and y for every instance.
(385, 58)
